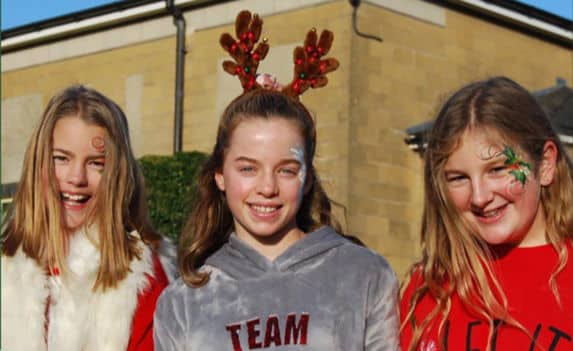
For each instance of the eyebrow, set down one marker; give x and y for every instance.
(252, 160)
(486, 163)
(69, 153)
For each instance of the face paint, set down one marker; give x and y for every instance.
(298, 153)
(489, 152)
(98, 143)
(519, 168)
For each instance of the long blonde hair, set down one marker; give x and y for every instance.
(211, 221)
(454, 259)
(34, 221)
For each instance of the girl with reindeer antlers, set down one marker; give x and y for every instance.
(261, 265)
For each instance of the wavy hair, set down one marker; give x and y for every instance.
(34, 221)
(454, 258)
(211, 221)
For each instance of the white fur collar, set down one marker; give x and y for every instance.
(79, 319)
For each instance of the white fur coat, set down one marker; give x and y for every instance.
(79, 319)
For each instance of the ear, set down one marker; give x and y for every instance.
(220, 181)
(548, 165)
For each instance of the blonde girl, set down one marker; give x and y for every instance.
(80, 263)
(497, 264)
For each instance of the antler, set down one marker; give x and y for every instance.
(309, 69)
(248, 30)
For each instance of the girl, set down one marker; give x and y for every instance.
(80, 267)
(497, 262)
(261, 266)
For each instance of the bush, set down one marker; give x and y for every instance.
(171, 183)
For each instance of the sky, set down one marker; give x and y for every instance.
(16, 13)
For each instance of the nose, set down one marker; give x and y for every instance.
(267, 185)
(77, 174)
(481, 193)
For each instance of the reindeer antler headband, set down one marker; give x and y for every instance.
(310, 68)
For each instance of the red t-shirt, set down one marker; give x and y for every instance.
(524, 276)
(141, 338)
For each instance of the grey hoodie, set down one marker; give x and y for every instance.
(322, 293)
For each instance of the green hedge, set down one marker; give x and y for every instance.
(170, 182)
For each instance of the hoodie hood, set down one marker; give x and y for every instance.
(241, 261)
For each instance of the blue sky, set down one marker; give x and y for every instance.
(16, 13)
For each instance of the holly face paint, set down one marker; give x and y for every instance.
(517, 168)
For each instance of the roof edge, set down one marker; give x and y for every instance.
(94, 19)
(522, 17)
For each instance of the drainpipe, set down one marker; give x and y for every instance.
(179, 22)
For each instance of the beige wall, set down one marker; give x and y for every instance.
(379, 90)
(140, 78)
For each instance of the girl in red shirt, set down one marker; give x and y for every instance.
(497, 270)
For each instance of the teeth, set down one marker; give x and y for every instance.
(74, 197)
(264, 209)
(490, 213)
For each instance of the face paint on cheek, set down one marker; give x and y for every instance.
(298, 153)
(514, 188)
(519, 169)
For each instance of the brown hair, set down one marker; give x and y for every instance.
(453, 258)
(211, 221)
(34, 220)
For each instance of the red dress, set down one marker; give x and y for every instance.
(524, 276)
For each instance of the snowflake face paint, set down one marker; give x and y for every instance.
(501, 206)
(298, 153)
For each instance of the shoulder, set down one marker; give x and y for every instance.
(414, 280)
(20, 265)
(179, 292)
(411, 284)
(167, 254)
(159, 262)
(176, 289)
(363, 259)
